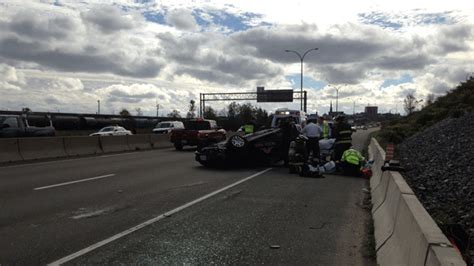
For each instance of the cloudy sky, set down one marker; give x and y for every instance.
(65, 55)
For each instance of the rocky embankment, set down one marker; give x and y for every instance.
(439, 163)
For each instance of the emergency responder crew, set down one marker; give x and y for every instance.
(313, 132)
(289, 133)
(324, 125)
(342, 133)
(352, 162)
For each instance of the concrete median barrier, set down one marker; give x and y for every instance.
(441, 255)
(160, 141)
(77, 146)
(385, 213)
(139, 142)
(405, 234)
(9, 151)
(114, 143)
(41, 148)
(413, 234)
(380, 190)
(377, 154)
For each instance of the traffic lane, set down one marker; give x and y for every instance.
(360, 136)
(22, 200)
(123, 167)
(28, 175)
(275, 218)
(59, 221)
(206, 233)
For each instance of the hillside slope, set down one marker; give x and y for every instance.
(439, 163)
(436, 147)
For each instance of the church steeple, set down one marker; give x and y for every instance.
(330, 108)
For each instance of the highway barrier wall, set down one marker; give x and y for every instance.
(160, 141)
(25, 149)
(41, 148)
(114, 143)
(405, 234)
(139, 142)
(9, 151)
(77, 146)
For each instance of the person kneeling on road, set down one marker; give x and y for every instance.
(352, 162)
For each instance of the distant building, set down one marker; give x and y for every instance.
(332, 113)
(371, 111)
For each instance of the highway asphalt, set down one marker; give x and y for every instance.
(53, 209)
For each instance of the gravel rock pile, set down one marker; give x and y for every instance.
(439, 163)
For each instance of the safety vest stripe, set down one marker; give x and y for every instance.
(325, 131)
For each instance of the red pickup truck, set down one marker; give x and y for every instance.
(197, 132)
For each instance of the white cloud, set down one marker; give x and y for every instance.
(182, 19)
(70, 55)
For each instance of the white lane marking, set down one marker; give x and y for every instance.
(91, 213)
(120, 154)
(73, 182)
(151, 221)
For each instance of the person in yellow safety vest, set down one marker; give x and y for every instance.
(249, 128)
(352, 162)
(326, 134)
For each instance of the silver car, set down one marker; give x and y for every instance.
(112, 131)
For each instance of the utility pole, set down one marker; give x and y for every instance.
(157, 109)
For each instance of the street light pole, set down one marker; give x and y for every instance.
(98, 107)
(354, 104)
(301, 78)
(337, 96)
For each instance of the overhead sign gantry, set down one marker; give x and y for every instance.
(261, 95)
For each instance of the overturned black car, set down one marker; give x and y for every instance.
(261, 147)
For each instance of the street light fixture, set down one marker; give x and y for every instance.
(337, 95)
(301, 59)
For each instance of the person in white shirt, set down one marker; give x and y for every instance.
(313, 132)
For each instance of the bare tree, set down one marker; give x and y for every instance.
(139, 111)
(409, 104)
(174, 114)
(192, 109)
(125, 112)
(233, 109)
(430, 99)
(210, 113)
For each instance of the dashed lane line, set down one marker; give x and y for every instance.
(74, 182)
(151, 221)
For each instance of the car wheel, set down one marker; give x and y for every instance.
(237, 142)
(178, 146)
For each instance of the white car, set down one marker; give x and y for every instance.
(165, 127)
(112, 131)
